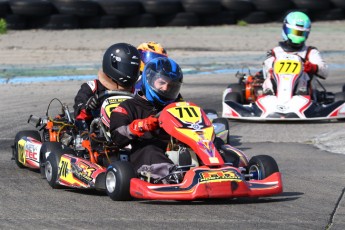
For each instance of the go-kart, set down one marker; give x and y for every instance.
(70, 168)
(206, 167)
(52, 132)
(85, 166)
(56, 132)
(73, 158)
(246, 101)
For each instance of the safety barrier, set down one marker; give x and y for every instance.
(75, 14)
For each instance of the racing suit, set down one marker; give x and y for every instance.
(83, 117)
(87, 90)
(308, 53)
(148, 149)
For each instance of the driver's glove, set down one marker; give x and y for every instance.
(310, 67)
(140, 126)
(92, 103)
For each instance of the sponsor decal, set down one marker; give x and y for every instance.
(92, 85)
(21, 151)
(75, 171)
(27, 150)
(63, 170)
(119, 109)
(83, 171)
(282, 108)
(219, 176)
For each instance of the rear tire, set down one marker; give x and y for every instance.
(262, 166)
(233, 96)
(339, 96)
(26, 133)
(237, 88)
(117, 180)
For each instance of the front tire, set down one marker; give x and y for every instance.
(117, 180)
(51, 168)
(225, 122)
(18, 154)
(211, 114)
(47, 147)
(262, 166)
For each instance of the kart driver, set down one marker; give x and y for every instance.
(120, 71)
(133, 121)
(296, 28)
(148, 51)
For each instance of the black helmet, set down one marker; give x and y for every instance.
(121, 62)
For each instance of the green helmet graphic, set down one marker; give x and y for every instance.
(296, 28)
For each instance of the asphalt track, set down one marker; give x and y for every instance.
(314, 179)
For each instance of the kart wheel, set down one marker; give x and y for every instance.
(211, 114)
(234, 96)
(225, 122)
(52, 168)
(339, 96)
(262, 166)
(117, 180)
(236, 88)
(26, 133)
(46, 149)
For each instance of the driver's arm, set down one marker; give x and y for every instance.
(315, 58)
(83, 95)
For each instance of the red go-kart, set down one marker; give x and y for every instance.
(205, 166)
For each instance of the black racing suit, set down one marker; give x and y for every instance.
(148, 149)
(87, 90)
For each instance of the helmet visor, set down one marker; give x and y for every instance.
(299, 33)
(164, 85)
(147, 56)
(296, 32)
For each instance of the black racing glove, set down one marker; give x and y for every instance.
(92, 103)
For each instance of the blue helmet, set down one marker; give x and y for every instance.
(161, 81)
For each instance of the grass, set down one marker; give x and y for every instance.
(242, 23)
(3, 26)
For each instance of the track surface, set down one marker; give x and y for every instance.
(314, 179)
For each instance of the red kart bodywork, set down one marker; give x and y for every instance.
(203, 183)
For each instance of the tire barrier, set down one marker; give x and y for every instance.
(74, 14)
